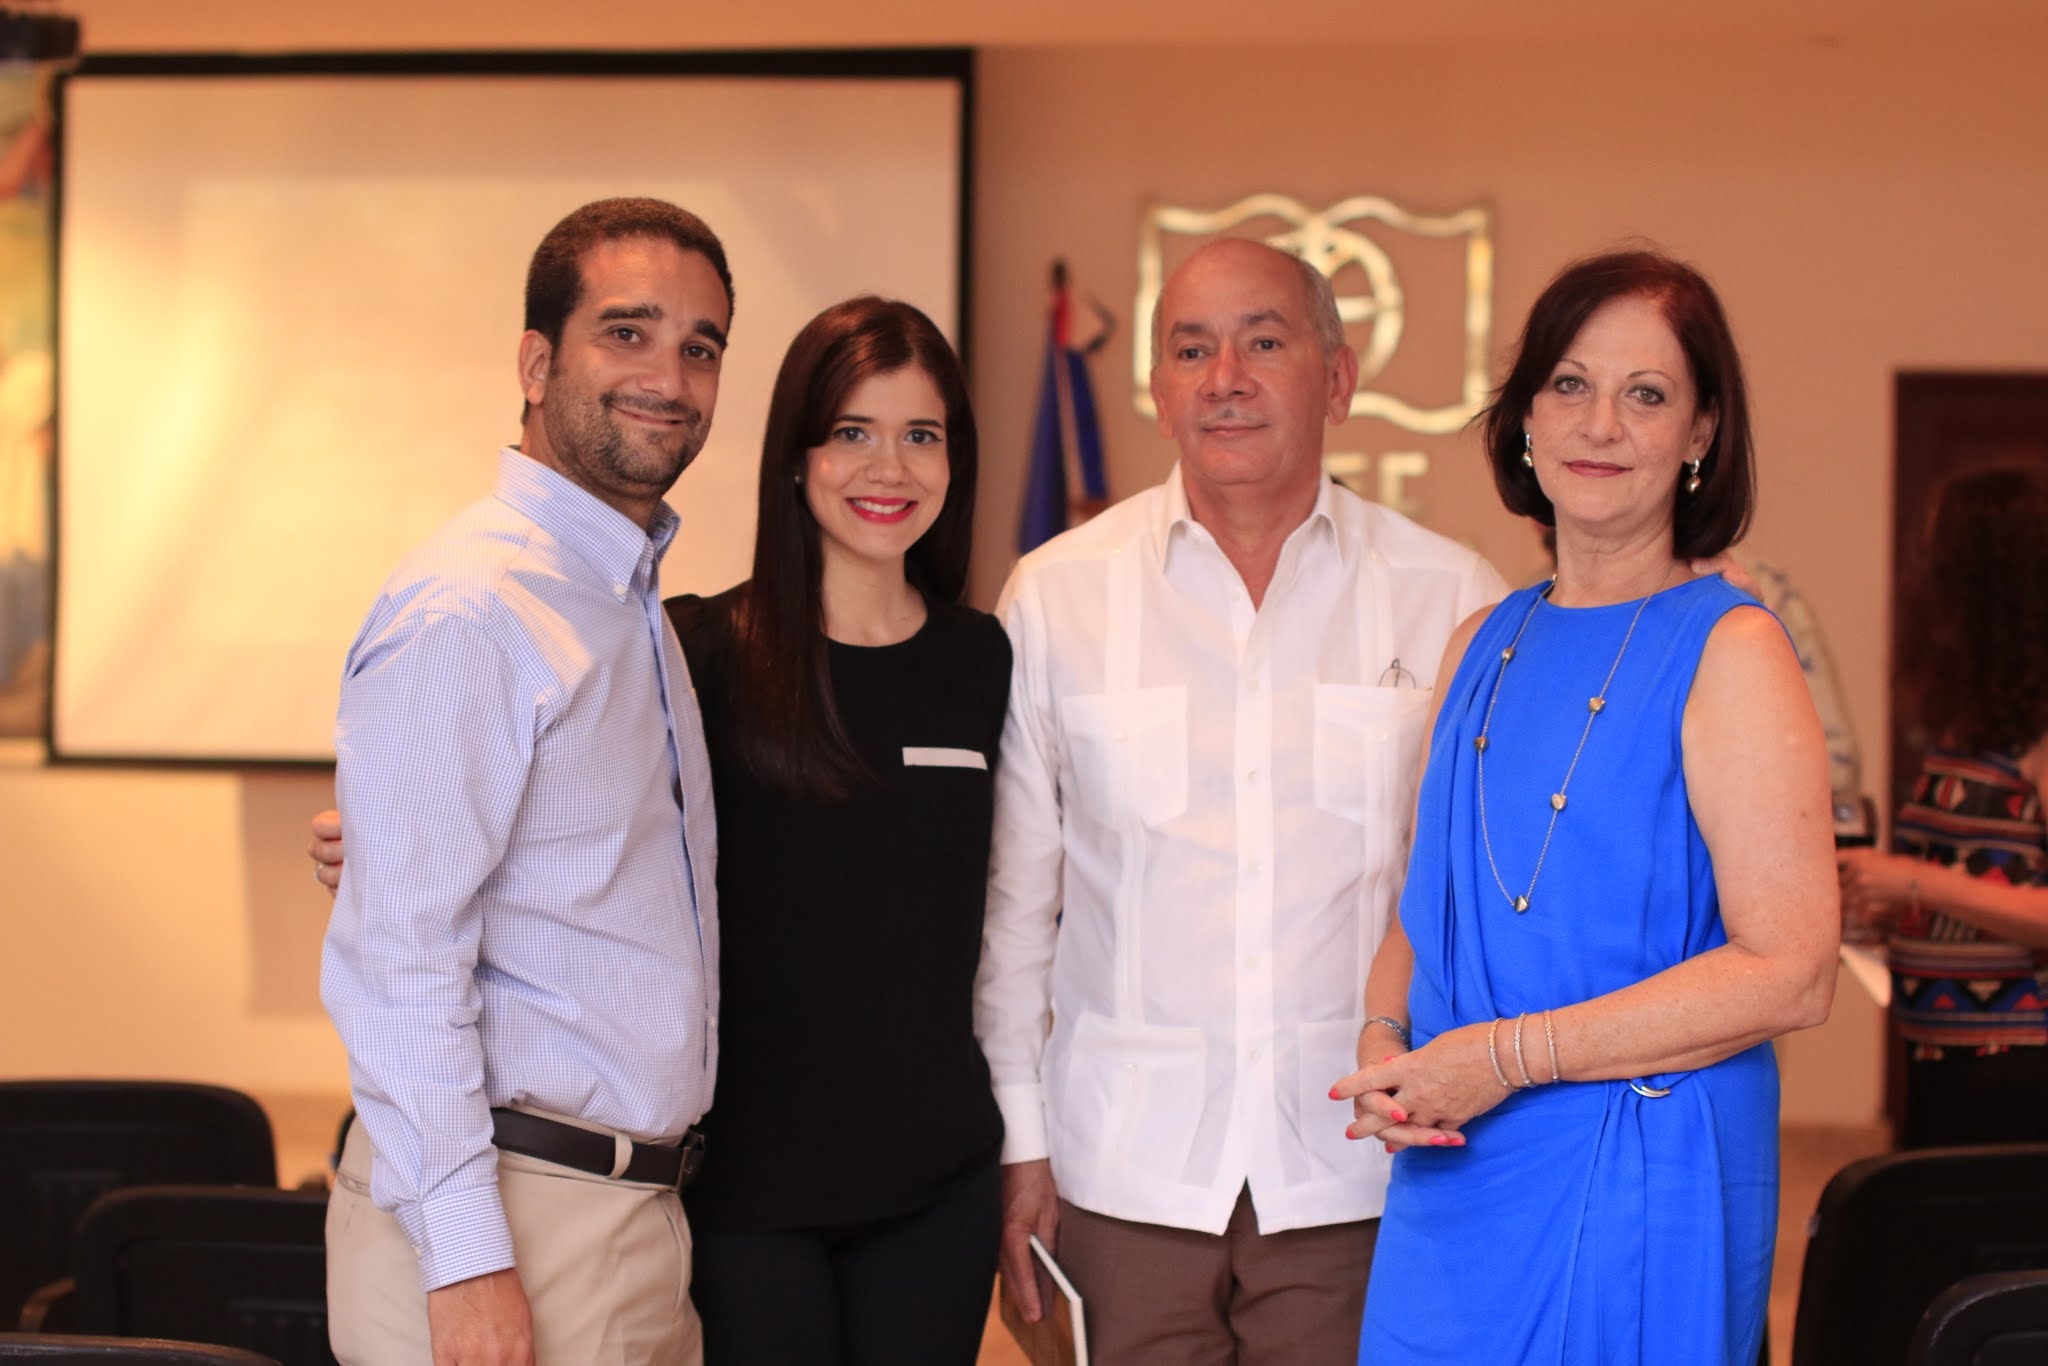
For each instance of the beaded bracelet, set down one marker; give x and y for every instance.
(1400, 1030)
(1550, 1038)
(1493, 1056)
(1528, 1082)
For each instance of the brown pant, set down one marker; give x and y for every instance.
(605, 1265)
(1156, 1296)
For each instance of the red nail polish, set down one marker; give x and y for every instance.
(1333, 1092)
(1400, 1117)
(1439, 1141)
(1390, 1148)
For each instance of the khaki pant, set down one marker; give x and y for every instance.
(1156, 1296)
(605, 1265)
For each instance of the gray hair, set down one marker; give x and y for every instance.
(1324, 320)
(1322, 305)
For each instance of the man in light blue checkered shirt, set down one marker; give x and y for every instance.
(523, 955)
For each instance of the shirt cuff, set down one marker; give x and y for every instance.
(459, 1235)
(1023, 1107)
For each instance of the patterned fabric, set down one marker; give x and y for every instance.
(1953, 986)
(521, 773)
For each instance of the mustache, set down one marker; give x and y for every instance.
(670, 410)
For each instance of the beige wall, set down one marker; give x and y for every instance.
(165, 925)
(1864, 207)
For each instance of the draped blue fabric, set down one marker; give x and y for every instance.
(1582, 1222)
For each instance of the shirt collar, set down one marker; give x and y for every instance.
(1176, 521)
(598, 533)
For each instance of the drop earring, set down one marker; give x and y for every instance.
(1692, 485)
(1528, 452)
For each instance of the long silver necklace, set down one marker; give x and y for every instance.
(1594, 706)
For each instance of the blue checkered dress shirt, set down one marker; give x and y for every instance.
(527, 914)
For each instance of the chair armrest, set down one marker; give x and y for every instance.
(52, 1309)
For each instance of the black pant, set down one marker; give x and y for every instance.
(907, 1291)
(1961, 1098)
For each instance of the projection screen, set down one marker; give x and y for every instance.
(289, 303)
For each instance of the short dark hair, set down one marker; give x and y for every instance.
(554, 278)
(1704, 523)
(1976, 671)
(789, 729)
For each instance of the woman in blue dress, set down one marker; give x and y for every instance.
(1621, 887)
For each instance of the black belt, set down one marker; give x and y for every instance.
(586, 1150)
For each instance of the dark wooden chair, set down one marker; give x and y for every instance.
(57, 1350)
(1892, 1232)
(1995, 1320)
(63, 1144)
(231, 1265)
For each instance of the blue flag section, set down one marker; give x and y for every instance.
(1066, 438)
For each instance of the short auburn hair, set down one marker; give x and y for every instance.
(1704, 523)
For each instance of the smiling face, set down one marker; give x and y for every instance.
(623, 403)
(879, 480)
(1616, 422)
(1242, 381)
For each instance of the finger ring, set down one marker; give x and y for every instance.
(316, 875)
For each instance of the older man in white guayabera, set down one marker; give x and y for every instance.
(1201, 829)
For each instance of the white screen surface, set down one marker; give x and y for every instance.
(289, 312)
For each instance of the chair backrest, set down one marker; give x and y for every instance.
(240, 1267)
(65, 1143)
(64, 1350)
(1995, 1320)
(1893, 1232)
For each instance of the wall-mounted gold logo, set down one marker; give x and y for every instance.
(1414, 274)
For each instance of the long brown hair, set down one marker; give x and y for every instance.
(1975, 660)
(789, 728)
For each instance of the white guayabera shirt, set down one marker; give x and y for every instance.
(1201, 829)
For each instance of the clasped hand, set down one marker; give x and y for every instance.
(1422, 1098)
(1876, 887)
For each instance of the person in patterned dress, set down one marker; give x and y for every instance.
(1964, 899)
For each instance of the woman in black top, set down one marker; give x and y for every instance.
(847, 1211)
(848, 1207)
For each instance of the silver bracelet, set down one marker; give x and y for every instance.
(1493, 1056)
(1400, 1030)
(1528, 1082)
(1551, 1039)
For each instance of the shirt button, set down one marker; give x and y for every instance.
(1251, 962)
(1252, 869)
(619, 591)
(1252, 776)
(1120, 736)
(1251, 1055)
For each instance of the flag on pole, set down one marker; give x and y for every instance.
(1066, 440)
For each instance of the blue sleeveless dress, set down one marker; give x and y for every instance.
(1582, 1222)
